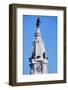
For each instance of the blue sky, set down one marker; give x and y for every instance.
(48, 29)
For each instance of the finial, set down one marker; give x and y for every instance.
(38, 22)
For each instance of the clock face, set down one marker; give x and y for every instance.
(38, 68)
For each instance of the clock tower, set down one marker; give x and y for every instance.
(38, 60)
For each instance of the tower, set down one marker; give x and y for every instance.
(38, 60)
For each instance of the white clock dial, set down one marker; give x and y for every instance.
(38, 68)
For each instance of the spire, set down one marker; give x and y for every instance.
(38, 28)
(38, 58)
